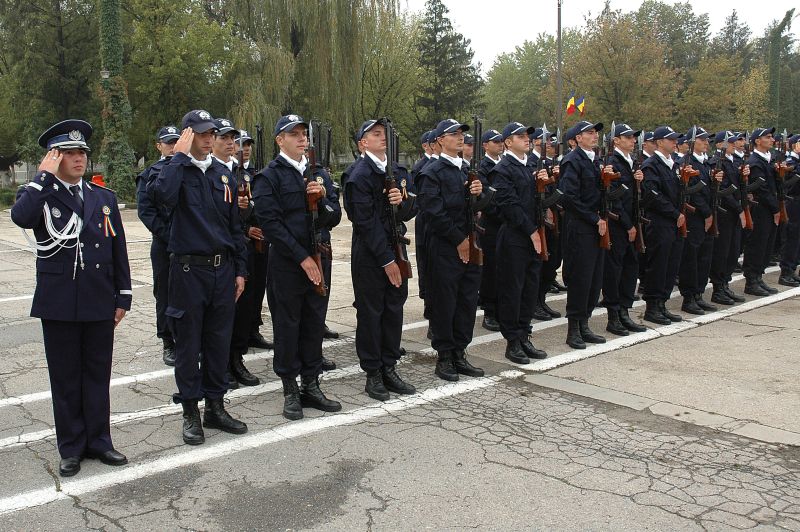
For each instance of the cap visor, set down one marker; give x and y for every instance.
(202, 127)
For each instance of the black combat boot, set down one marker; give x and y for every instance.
(292, 409)
(240, 372)
(574, 339)
(690, 305)
(312, 397)
(168, 354)
(328, 364)
(545, 307)
(753, 288)
(731, 294)
(653, 313)
(216, 417)
(719, 296)
(394, 383)
(515, 353)
(765, 286)
(329, 334)
(539, 313)
(375, 387)
(787, 279)
(462, 365)
(588, 335)
(444, 366)
(530, 350)
(192, 428)
(490, 323)
(615, 325)
(703, 304)
(628, 323)
(662, 306)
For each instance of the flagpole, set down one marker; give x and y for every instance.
(559, 87)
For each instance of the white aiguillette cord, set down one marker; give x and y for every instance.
(59, 239)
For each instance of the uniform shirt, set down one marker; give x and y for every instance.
(103, 284)
(662, 188)
(204, 222)
(766, 194)
(516, 199)
(279, 194)
(579, 180)
(443, 201)
(368, 208)
(155, 218)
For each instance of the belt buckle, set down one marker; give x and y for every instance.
(217, 260)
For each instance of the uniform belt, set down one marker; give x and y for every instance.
(201, 260)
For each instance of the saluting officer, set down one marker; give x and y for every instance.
(583, 258)
(452, 292)
(208, 267)
(518, 243)
(157, 221)
(379, 288)
(492, 141)
(297, 310)
(765, 212)
(662, 188)
(83, 290)
(622, 260)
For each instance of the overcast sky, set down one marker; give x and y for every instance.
(497, 26)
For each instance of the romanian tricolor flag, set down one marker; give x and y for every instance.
(581, 104)
(571, 103)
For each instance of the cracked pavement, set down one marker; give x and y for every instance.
(505, 454)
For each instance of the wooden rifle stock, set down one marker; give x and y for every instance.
(397, 239)
(541, 188)
(607, 177)
(312, 207)
(475, 251)
(782, 169)
(687, 173)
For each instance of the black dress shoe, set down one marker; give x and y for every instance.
(329, 334)
(110, 457)
(545, 307)
(490, 323)
(588, 335)
(394, 383)
(312, 397)
(292, 409)
(719, 296)
(574, 339)
(216, 417)
(765, 286)
(515, 353)
(192, 427)
(257, 340)
(731, 294)
(540, 314)
(662, 306)
(531, 351)
(168, 355)
(240, 373)
(698, 298)
(462, 365)
(628, 323)
(444, 366)
(375, 387)
(754, 289)
(690, 305)
(653, 314)
(69, 467)
(328, 364)
(788, 280)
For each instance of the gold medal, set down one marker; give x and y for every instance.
(106, 210)
(224, 179)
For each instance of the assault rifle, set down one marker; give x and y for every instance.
(781, 183)
(398, 240)
(638, 212)
(607, 195)
(312, 208)
(687, 172)
(475, 251)
(745, 188)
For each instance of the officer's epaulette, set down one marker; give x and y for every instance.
(93, 184)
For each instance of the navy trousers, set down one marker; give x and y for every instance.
(620, 270)
(159, 258)
(519, 268)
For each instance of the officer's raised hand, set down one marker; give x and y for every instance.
(475, 188)
(395, 198)
(239, 286)
(312, 272)
(184, 143)
(51, 161)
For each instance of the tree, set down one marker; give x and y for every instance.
(777, 54)
(733, 40)
(708, 100)
(451, 82)
(752, 100)
(682, 34)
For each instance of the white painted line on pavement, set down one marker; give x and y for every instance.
(237, 444)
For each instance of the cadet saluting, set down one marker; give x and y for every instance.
(83, 289)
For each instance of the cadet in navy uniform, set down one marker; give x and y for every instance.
(766, 215)
(730, 220)
(157, 221)
(579, 180)
(518, 243)
(492, 141)
(379, 288)
(424, 158)
(420, 235)
(83, 289)
(207, 273)
(699, 246)
(622, 261)
(790, 252)
(452, 293)
(662, 189)
(298, 311)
